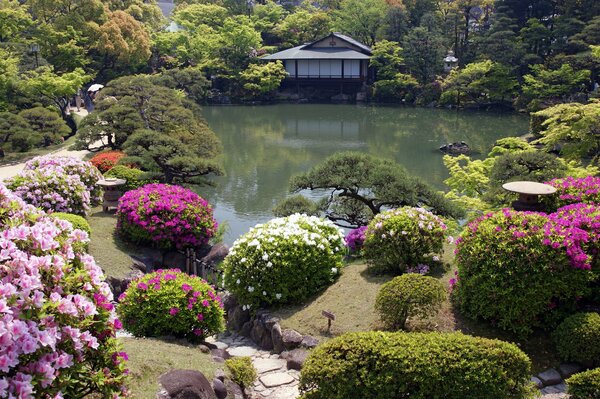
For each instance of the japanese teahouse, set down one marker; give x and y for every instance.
(336, 58)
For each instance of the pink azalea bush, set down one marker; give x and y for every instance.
(571, 190)
(170, 302)
(165, 216)
(522, 270)
(57, 328)
(58, 184)
(356, 238)
(403, 238)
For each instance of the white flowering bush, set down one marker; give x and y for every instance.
(58, 184)
(284, 260)
(57, 325)
(404, 238)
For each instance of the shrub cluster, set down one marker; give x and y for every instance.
(578, 339)
(409, 295)
(57, 330)
(58, 184)
(242, 371)
(284, 260)
(165, 216)
(401, 238)
(571, 190)
(355, 239)
(105, 161)
(381, 365)
(498, 279)
(77, 221)
(170, 302)
(585, 385)
(131, 175)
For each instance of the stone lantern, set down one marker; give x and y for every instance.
(450, 62)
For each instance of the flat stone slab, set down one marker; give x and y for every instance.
(538, 383)
(550, 377)
(242, 351)
(568, 369)
(221, 345)
(556, 389)
(276, 379)
(265, 365)
(529, 187)
(287, 392)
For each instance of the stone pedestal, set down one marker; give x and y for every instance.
(113, 190)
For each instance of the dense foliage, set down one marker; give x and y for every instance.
(497, 280)
(571, 190)
(134, 177)
(424, 365)
(165, 216)
(170, 302)
(584, 385)
(578, 339)
(78, 222)
(58, 184)
(284, 260)
(58, 328)
(242, 371)
(106, 160)
(406, 296)
(401, 238)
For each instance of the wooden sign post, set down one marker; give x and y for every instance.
(330, 317)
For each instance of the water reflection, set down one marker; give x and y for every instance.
(265, 145)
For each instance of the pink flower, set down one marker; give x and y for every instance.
(200, 316)
(173, 311)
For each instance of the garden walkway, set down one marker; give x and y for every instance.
(8, 171)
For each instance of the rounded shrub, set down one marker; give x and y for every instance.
(242, 371)
(409, 295)
(77, 221)
(571, 190)
(170, 302)
(520, 270)
(104, 161)
(131, 175)
(165, 216)
(401, 238)
(57, 330)
(379, 365)
(284, 260)
(577, 339)
(585, 385)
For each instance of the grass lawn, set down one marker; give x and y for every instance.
(110, 252)
(149, 358)
(352, 300)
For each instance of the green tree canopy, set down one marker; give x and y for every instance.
(361, 19)
(387, 58)
(261, 79)
(545, 85)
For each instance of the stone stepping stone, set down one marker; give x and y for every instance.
(550, 377)
(242, 351)
(265, 365)
(276, 379)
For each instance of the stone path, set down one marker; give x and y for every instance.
(274, 380)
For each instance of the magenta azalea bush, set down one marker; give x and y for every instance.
(571, 190)
(170, 302)
(165, 216)
(522, 270)
(403, 238)
(58, 184)
(356, 238)
(57, 328)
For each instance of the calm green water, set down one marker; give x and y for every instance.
(265, 145)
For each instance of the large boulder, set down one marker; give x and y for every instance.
(185, 384)
(296, 358)
(291, 339)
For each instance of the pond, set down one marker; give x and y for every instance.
(264, 146)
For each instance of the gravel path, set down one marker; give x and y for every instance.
(9, 171)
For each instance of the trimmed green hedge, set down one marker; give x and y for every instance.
(585, 385)
(380, 365)
(242, 371)
(77, 221)
(135, 177)
(578, 339)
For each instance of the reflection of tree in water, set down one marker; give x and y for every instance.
(264, 146)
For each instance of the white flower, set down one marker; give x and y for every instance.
(450, 240)
(334, 270)
(265, 256)
(404, 233)
(250, 289)
(244, 307)
(436, 258)
(270, 264)
(265, 293)
(238, 281)
(243, 260)
(278, 296)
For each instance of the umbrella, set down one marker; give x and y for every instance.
(95, 87)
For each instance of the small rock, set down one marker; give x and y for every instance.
(296, 359)
(219, 388)
(220, 353)
(538, 383)
(189, 384)
(309, 342)
(265, 365)
(550, 377)
(218, 359)
(234, 389)
(568, 369)
(220, 374)
(204, 348)
(291, 339)
(216, 254)
(276, 379)
(242, 351)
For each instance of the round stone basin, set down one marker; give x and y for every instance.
(529, 188)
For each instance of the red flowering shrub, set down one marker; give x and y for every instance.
(105, 161)
(57, 328)
(523, 270)
(169, 302)
(165, 216)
